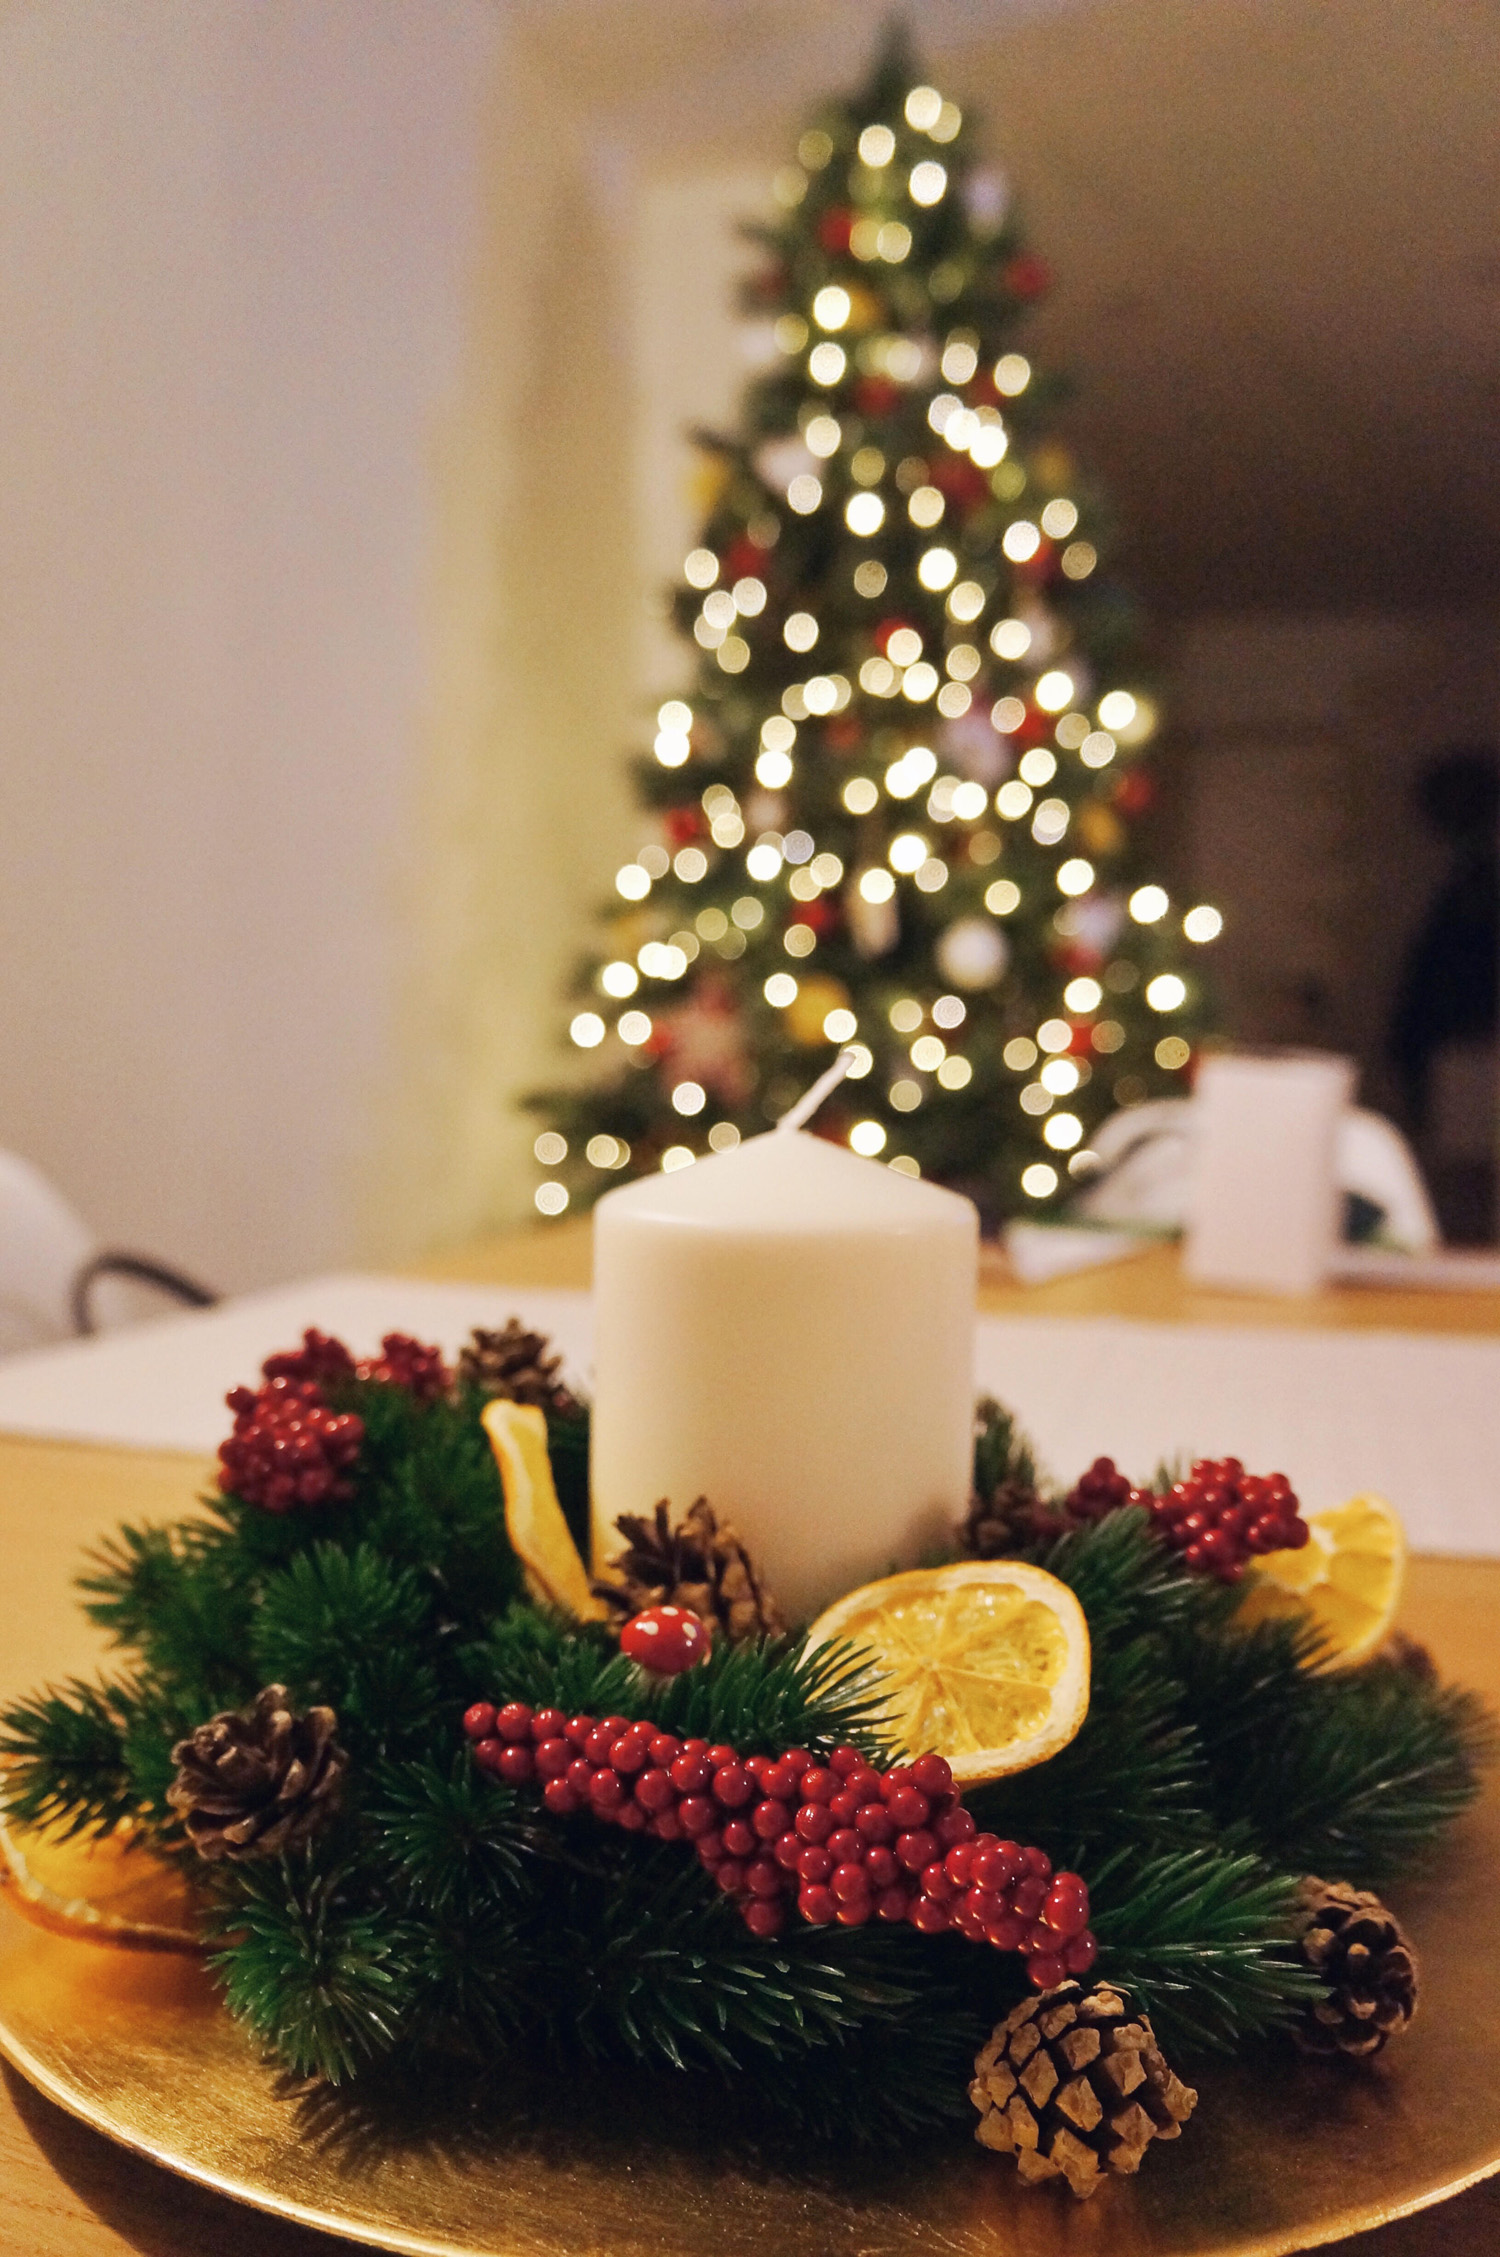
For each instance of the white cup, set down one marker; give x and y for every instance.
(1263, 1204)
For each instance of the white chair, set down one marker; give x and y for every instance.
(56, 1279)
(1146, 1154)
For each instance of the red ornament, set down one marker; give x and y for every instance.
(1134, 792)
(842, 1842)
(885, 630)
(682, 824)
(962, 481)
(822, 914)
(1026, 276)
(835, 227)
(744, 558)
(842, 732)
(288, 1449)
(877, 395)
(666, 1640)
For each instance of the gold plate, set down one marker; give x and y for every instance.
(1280, 2156)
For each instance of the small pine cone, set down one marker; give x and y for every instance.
(288, 1448)
(1363, 1955)
(408, 1363)
(255, 1781)
(1006, 1521)
(700, 1564)
(1073, 2086)
(324, 1361)
(515, 1366)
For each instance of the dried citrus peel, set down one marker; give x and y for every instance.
(534, 1520)
(986, 1664)
(1347, 1578)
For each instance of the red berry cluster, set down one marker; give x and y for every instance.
(288, 1448)
(324, 1361)
(1102, 1489)
(843, 1842)
(1221, 1516)
(408, 1363)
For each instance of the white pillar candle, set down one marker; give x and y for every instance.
(1263, 1206)
(788, 1330)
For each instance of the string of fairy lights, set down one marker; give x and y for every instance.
(929, 822)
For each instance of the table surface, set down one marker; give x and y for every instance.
(67, 2192)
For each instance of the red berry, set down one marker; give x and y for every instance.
(818, 1784)
(783, 1781)
(560, 1798)
(1037, 1862)
(933, 1774)
(691, 1772)
(936, 1883)
(955, 1826)
(770, 1820)
(606, 1792)
(1007, 1932)
(1081, 1954)
(578, 1774)
(733, 1786)
(874, 1823)
(717, 1755)
(929, 1917)
(730, 1876)
(817, 1905)
(1029, 1896)
(763, 1877)
(880, 1864)
(696, 1815)
(599, 1745)
(892, 1904)
(629, 1754)
(909, 1807)
(516, 1767)
(631, 1816)
(665, 1749)
(548, 1724)
(552, 1758)
(655, 1792)
(710, 1848)
(666, 1640)
(959, 1861)
(787, 1850)
(739, 1841)
(850, 1883)
(481, 1722)
(577, 1729)
(813, 1863)
(1046, 1969)
(846, 1761)
(664, 1825)
(916, 1849)
(764, 1917)
(487, 1754)
(814, 1822)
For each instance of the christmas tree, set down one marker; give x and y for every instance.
(894, 810)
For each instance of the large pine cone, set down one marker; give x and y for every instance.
(1073, 2086)
(515, 1366)
(1364, 1957)
(252, 1782)
(700, 1564)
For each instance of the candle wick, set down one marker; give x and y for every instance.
(808, 1103)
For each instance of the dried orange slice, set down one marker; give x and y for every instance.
(1348, 1577)
(534, 1519)
(108, 1891)
(987, 1663)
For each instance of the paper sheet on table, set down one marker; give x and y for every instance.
(1416, 1417)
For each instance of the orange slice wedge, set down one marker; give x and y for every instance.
(534, 1519)
(108, 1891)
(986, 1663)
(1348, 1577)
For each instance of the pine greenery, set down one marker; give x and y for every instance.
(440, 1914)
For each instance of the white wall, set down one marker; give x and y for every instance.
(235, 237)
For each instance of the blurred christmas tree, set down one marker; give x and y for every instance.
(894, 811)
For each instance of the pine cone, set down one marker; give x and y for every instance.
(1012, 1517)
(700, 1564)
(1363, 1955)
(255, 1781)
(1072, 2086)
(515, 1366)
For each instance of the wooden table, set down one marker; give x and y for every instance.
(66, 2192)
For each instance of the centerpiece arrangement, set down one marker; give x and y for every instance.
(1097, 1782)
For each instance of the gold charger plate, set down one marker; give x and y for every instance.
(1280, 2156)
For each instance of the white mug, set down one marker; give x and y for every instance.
(1263, 1203)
